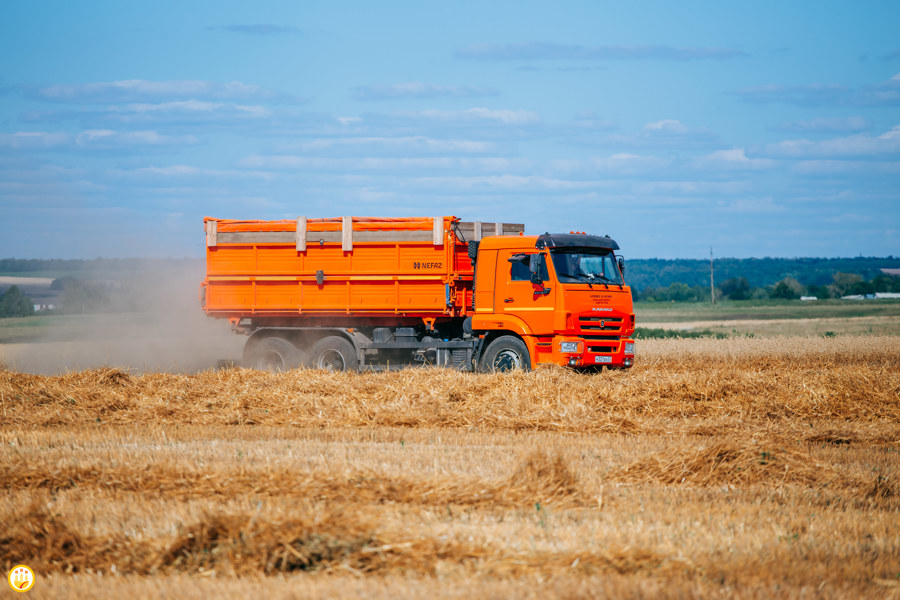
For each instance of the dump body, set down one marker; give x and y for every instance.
(433, 290)
(357, 267)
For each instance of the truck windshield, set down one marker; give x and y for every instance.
(583, 265)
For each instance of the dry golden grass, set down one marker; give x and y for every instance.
(742, 468)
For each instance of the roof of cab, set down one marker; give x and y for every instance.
(575, 240)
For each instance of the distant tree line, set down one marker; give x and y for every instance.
(111, 285)
(788, 288)
(643, 273)
(14, 303)
(35, 266)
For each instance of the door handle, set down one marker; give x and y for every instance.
(508, 300)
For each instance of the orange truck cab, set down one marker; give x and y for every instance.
(375, 293)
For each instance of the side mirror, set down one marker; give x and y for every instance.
(621, 260)
(535, 265)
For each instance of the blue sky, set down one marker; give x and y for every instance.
(755, 128)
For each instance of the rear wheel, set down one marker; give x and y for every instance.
(334, 353)
(506, 353)
(272, 354)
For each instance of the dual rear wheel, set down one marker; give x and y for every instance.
(331, 353)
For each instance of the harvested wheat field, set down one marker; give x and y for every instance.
(739, 468)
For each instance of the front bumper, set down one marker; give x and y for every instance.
(583, 352)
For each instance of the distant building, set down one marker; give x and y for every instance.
(808, 298)
(876, 296)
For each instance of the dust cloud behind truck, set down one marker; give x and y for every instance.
(353, 293)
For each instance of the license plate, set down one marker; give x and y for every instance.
(603, 359)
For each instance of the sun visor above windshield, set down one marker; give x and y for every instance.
(575, 240)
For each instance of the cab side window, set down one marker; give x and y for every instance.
(519, 271)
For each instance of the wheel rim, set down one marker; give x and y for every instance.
(271, 361)
(507, 360)
(332, 360)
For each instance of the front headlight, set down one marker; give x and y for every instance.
(570, 347)
(629, 347)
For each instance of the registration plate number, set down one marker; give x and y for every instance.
(603, 359)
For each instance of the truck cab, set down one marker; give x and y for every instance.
(563, 295)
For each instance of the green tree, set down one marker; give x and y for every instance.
(736, 288)
(788, 288)
(886, 283)
(81, 297)
(14, 303)
(843, 282)
(861, 288)
(784, 291)
(819, 291)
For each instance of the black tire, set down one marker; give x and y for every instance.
(506, 353)
(272, 354)
(333, 353)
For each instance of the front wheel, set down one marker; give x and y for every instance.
(334, 353)
(272, 354)
(506, 353)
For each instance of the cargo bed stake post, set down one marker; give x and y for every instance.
(477, 231)
(212, 229)
(347, 234)
(301, 234)
(438, 229)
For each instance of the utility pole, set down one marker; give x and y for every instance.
(712, 289)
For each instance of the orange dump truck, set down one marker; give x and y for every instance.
(373, 293)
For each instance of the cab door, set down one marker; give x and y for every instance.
(517, 296)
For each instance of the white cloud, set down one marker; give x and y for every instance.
(673, 129)
(137, 90)
(691, 188)
(186, 171)
(506, 116)
(845, 218)
(413, 144)
(887, 144)
(187, 107)
(293, 162)
(258, 29)
(823, 124)
(830, 168)
(107, 138)
(553, 51)
(503, 182)
(752, 206)
(629, 164)
(417, 89)
(667, 126)
(91, 139)
(33, 140)
(733, 159)
(885, 93)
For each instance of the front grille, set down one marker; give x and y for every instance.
(593, 323)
